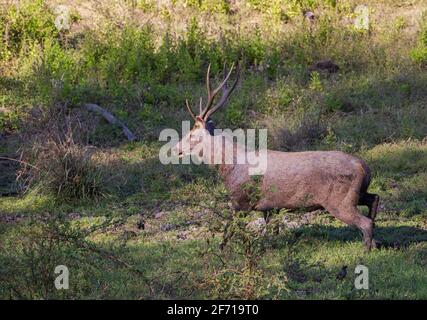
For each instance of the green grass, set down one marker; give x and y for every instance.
(373, 107)
(302, 263)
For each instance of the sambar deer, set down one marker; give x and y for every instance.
(331, 180)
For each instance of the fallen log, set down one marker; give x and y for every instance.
(111, 119)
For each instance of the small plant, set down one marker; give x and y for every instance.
(315, 82)
(241, 274)
(330, 137)
(333, 102)
(419, 53)
(253, 189)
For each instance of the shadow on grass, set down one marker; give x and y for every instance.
(398, 237)
(134, 186)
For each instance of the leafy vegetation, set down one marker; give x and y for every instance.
(130, 227)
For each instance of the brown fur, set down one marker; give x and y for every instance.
(332, 180)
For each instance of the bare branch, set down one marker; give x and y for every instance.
(111, 119)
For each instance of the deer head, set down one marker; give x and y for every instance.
(203, 129)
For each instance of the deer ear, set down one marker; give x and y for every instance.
(210, 126)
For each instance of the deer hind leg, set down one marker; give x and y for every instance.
(350, 215)
(370, 200)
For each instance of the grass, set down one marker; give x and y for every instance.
(141, 65)
(173, 250)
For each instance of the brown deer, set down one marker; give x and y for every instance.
(331, 180)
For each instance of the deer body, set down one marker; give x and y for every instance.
(296, 180)
(330, 180)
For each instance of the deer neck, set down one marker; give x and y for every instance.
(225, 154)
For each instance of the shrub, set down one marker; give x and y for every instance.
(26, 22)
(55, 159)
(30, 253)
(241, 273)
(419, 54)
(300, 138)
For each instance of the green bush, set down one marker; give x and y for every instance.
(419, 53)
(23, 24)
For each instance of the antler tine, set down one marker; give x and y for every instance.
(212, 94)
(226, 93)
(208, 85)
(209, 91)
(224, 81)
(200, 105)
(189, 110)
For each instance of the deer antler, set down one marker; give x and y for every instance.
(189, 110)
(225, 92)
(208, 110)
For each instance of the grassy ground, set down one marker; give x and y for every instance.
(141, 61)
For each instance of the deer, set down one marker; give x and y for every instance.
(309, 180)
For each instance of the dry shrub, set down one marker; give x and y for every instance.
(235, 269)
(300, 138)
(56, 156)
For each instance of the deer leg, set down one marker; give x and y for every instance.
(373, 207)
(267, 216)
(350, 215)
(370, 200)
